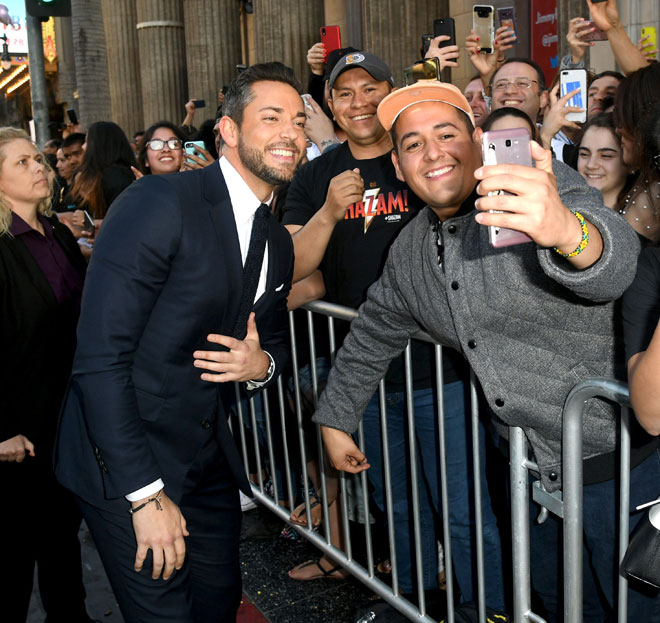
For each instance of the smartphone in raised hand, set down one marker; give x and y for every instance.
(483, 26)
(506, 147)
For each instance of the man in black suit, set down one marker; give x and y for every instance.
(141, 428)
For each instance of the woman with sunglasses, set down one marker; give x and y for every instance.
(161, 151)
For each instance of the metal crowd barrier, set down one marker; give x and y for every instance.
(569, 508)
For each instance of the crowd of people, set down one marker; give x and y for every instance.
(140, 278)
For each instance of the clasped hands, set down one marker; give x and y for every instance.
(244, 361)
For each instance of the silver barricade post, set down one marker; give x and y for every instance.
(624, 504)
(285, 443)
(255, 439)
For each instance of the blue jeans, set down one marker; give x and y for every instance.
(600, 554)
(460, 484)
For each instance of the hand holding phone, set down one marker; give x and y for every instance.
(506, 147)
(331, 39)
(575, 80)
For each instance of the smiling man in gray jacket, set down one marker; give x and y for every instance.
(532, 319)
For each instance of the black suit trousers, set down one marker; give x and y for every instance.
(39, 524)
(207, 589)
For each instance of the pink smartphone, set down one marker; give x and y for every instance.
(595, 35)
(506, 147)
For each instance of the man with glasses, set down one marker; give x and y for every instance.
(519, 83)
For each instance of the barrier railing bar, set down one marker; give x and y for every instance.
(444, 490)
(255, 439)
(387, 475)
(299, 421)
(365, 502)
(269, 442)
(624, 505)
(414, 477)
(478, 517)
(241, 427)
(285, 443)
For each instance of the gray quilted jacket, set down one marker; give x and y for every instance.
(530, 325)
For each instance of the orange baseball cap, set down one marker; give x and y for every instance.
(423, 91)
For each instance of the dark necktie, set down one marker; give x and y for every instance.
(252, 268)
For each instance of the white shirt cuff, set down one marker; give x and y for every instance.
(145, 492)
(271, 372)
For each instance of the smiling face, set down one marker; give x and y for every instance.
(436, 155)
(529, 100)
(355, 98)
(270, 142)
(600, 161)
(600, 89)
(166, 160)
(474, 95)
(63, 166)
(23, 180)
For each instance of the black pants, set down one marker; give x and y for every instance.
(39, 523)
(207, 589)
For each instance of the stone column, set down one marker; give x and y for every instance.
(119, 19)
(162, 60)
(285, 30)
(91, 62)
(393, 30)
(213, 49)
(66, 64)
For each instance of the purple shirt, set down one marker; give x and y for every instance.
(63, 278)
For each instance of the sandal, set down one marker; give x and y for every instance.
(323, 574)
(300, 512)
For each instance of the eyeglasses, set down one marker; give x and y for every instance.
(518, 84)
(656, 161)
(157, 144)
(427, 69)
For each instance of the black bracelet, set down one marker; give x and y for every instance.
(157, 498)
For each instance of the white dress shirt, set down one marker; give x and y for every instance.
(244, 204)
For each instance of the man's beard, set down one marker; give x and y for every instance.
(253, 160)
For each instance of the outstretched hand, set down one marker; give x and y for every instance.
(15, 449)
(447, 56)
(244, 361)
(555, 117)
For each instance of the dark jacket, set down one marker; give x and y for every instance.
(37, 341)
(166, 271)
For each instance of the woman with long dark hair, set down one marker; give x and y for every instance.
(105, 170)
(161, 149)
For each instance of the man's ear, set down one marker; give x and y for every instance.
(477, 134)
(229, 131)
(397, 168)
(332, 110)
(544, 99)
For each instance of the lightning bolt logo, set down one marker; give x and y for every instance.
(370, 201)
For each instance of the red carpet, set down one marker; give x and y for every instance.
(248, 613)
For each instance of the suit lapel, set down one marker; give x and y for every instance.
(222, 220)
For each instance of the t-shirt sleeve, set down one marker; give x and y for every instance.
(300, 204)
(641, 303)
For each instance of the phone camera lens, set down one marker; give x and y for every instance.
(508, 142)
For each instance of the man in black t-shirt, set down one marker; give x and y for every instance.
(344, 209)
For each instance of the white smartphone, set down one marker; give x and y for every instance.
(506, 147)
(483, 26)
(571, 79)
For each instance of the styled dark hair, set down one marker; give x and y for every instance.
(107, 145)
(636, 96)
(239, 94)
(527, 61)
(77, 138)
(142, 153)
(56, 142)
(614, 74)
(509, 111)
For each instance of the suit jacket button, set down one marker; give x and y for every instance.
(206, 424)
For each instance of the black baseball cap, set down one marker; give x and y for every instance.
(333, 59)
(373, 65)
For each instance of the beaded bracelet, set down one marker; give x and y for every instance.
(585, 237)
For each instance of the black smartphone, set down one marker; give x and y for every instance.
(426, 42)
(199, 103)
(73, 117)
(445, 26)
